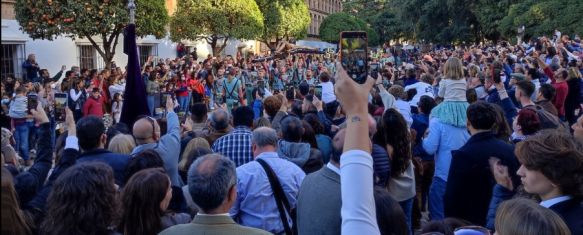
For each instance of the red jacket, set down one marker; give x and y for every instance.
(196, 86)
(561, 88)
(181, 88)
(93, 107)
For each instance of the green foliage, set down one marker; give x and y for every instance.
(105, 19)
(378, 15)
(152, 18)
(335, 23)
(456, 21)
(284, 19)
(215, 20)
(48, 19)
(542, 17)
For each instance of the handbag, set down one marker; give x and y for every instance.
(280, 199)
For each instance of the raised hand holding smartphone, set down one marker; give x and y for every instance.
(353, 54)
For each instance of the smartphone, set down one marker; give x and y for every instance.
(60, 106)
(374, 70)
(318, 91)
(353, 54)
(32, 101)
(181, 117)
(164, 97)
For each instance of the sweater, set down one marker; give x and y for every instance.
(93, 107)
(452, 90)
(18, 107)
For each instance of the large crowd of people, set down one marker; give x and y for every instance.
(439, 140)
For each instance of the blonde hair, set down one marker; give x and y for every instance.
(524, 217)
(398, 92)
(193, 144)
(453, 69)
(122, 143)
(473, 71)
(574, 73)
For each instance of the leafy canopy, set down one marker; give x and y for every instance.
(85, 18)
(338, 22)
(201, 19)
(284, 19)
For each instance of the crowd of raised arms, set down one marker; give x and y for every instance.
(458, 140)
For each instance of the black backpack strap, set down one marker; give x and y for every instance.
(279, 195)
(230, 93)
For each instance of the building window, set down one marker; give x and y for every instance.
(89, 58)
(12, 59)
(144, 51)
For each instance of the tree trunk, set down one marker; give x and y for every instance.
(213, 40)
(213, 43)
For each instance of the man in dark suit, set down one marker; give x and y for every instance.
(92, 138)
(571, 211)
(552, 168)
(470, 182)
(319, 201)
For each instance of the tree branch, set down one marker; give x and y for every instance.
(224, 44)
(115, 34)
(99, 50)
(115, 43)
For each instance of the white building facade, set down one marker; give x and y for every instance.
(51, 55)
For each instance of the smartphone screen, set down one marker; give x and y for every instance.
(353, 55)
(374, 70)
(163, 99)
(318, 92)
(32, 101)
(60, 105)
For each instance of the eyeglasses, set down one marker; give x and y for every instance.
(152, 122)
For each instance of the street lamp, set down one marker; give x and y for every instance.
(132, 8)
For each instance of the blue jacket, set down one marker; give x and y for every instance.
(381, 165)
(420, 124)
(28, 183)
(469, 187)
(169, 148)
(325, 145)
(257, 109)
(31, 71)
(118, 162)
(499, 195)
(443, 139)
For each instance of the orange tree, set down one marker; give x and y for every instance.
(100, 21)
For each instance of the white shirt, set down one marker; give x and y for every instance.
(333, 168)
(328, 92)
(223, 214)
(422, 89)
(404, 109)
(551, 202)
(358, 210)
